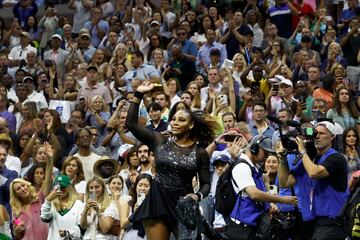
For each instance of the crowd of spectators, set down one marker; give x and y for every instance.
(70, 168)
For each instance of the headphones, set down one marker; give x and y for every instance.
(255, 148)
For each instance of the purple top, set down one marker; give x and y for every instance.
(11, 120)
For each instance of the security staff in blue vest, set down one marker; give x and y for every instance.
(329, 193)
(252, 199)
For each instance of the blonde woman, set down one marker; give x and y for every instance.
(100, 213)
(26, 204)
(62, 210)
(238, 67)
(97, 116)
(120, 56)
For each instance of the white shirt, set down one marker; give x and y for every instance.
(13, 163)
(205, 91)
(39, 99)
(18, 53)
(69, 221)
(88, 164)
(243, 176)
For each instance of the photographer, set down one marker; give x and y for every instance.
(252, 200)
(323, 181)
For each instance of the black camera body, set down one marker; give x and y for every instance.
(288, 139)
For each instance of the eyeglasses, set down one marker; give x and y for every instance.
(181, 33)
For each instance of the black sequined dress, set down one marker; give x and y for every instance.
(175, 168)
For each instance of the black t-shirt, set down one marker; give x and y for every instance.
(336, 165)
(351, 49)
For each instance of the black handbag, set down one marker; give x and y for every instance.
(274, 226)
(188, 212)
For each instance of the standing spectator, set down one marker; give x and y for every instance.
(62, 210)
(138, 191)
(107, 8)
(87, 49)
(20, 52)
(93, 88)
(350, 44)
(73, 168)
(98, 117)
(156, 123)
(348, 14)
(49, 22)
(180, 67)
(188, 48)
(34, 96)
(97, 27)
(23, 10)
(233, 36)
(86, 156)
(140, 70)
(281, 16)
(344, 112)
(203, 57)
(23, 197)
(259, 125)
(57, 54)
(82, 12)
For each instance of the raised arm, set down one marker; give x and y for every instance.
(45, 188)
(146, 136)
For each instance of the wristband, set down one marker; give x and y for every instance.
(302, 153)
(139, 95)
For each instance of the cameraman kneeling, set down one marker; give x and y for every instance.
(328, 175)
(252, 200)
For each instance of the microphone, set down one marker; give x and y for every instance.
(293, 123)
(274, 119)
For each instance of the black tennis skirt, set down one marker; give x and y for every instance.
(159, 204)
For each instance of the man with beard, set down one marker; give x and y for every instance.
(86, 156)
(146, 163)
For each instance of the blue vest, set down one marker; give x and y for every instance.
(302, 187)
(327, 202)
(247, 210)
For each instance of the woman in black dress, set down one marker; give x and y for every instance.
(178, 160)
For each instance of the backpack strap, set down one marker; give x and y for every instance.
(240, 160)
